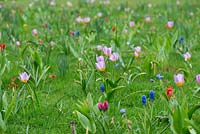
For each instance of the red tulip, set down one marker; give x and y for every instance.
(169, 92)
(2, 46)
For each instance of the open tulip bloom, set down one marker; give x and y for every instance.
(24, 77)
(101, 66)
(179, 79)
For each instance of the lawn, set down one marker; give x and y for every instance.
(99, 66)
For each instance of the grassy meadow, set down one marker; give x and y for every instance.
(99, 66)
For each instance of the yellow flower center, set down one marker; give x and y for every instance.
(179, 84)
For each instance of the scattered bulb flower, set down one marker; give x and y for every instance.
(114, 57)
(147, 19)
(101, 66)
(144, 99)
(170, 24)
(2, 47)
(17, 43)
(191, 14)
(180, 40)
(187, 56)
(99, 58)
(24, 77)
(107, 51)
(102, 88)
(152, 95)
(99, 47)
(137, 51)
(159, 76)
(198, 78)
(179, 79)
(103, 106)
(123, 111)
(131, 23)
(169, 92)
(34, 32)
(69, 4)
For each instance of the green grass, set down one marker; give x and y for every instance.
(74, 54)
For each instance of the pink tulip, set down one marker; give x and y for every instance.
(107, 51)
(101, 66)
(114, 57)
(179, 79)
(99, 58)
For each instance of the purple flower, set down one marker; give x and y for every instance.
(101, 66)
(170, 24)
(99, 58)
(122, 111)
(187, 56)
(99, 47)
(107, 51)
(159, 76)
(34, 32)
(114, 57)
(198, 78)
(131, 23)
(24, 77)
(179, 79)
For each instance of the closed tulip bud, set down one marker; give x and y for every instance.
(169, 92)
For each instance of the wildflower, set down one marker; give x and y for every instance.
(99, 14)
(147, 19)
(169, 92)
(17, 43)
(103, 106)
(99, 47)
(72, 33)
(170, 24)
(101, 66)
(79, 19)
(2, 47)
(191, 14)
(149, 5)
(180, 40)
(177, 2)
(52, 43)
(187, 56)
(102, 87)
(137, 51)
(152, 95)
(114, 57)
(159, 76)
(34, 32)
(122, 111)
(132, 24)
(99, 58)
(86, 20)
(107, 51)
(179, 79)
(144, 99)
(198, 78)
(69, 4)
(24, 77)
